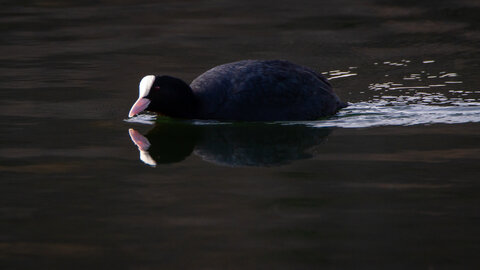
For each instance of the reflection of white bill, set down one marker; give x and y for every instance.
(143, 144)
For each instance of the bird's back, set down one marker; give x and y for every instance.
(255, 90)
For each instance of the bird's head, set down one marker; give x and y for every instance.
(163, 94)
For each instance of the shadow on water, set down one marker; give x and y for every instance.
(239, 144)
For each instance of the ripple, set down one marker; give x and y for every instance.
(371, 114)
(148, 119)
(381, 113)
(336, 74)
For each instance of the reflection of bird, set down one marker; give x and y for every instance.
(167, 143)
(249, 90)
(246, 144)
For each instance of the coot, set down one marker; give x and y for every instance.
(248, 90)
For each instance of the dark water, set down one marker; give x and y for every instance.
(392, 182)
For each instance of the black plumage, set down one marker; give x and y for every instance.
(249, 90)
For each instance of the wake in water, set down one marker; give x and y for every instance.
(404, 97)
(369, 114)
(410, 99)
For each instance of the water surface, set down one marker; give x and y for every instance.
(389, 182)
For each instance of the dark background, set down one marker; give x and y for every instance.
(74, 194)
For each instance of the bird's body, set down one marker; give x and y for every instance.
(249, 90)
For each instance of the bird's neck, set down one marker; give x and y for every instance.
(183, 106)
